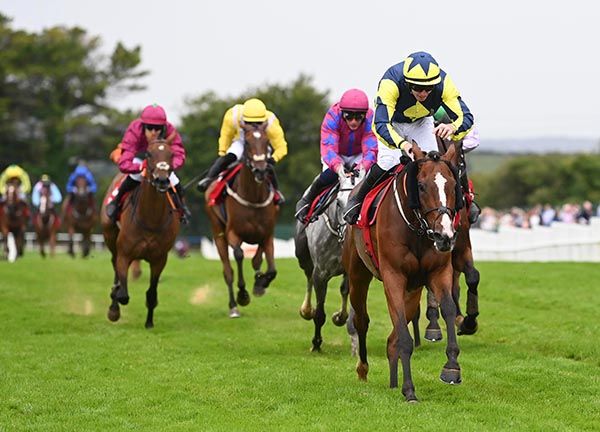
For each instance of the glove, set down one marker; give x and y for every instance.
(271, 161)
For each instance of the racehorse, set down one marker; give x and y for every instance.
(13, 221)
(147, 229)
(79, 215)
(46, 222)
(462, 262)
(412, 238)
(248, 214)
(318, 248)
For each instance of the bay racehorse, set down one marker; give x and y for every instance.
(318, 248)
(412, 238)
(46, 222)
(247, 214)
(79, 215)
(147, 228)
(14, 214)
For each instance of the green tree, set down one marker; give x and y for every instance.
(54, 88)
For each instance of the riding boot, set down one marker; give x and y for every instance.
(303, 205)
(474, 210)
(218, 165)
(275, 183)
(352, 210)
(178, 197)
(113, 208)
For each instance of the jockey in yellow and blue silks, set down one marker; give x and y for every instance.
(231, 139)
(408, 95)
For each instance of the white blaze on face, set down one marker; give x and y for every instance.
(440, 181)
(256, 134)
(161, 147)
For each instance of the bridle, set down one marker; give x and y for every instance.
(423, 228)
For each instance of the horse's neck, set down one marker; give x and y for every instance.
(249, 189)
(152, 205)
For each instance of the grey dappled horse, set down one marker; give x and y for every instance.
(318, 248)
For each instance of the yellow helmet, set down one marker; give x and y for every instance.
(45, 178)
(421, 68)
(254, 111)
(13, 171)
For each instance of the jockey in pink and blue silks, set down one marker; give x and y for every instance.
(347, 143)
(151, 125)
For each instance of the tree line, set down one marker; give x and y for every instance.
(56, 88)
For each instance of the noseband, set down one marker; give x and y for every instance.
(423, 229)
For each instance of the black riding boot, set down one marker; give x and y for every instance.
(352, 210)
(275, 183)
(219, 165)
(303, 205)
(474, 211)
(112, 209)
(178, 198)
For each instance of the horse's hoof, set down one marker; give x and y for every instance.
(362, 369)
(123, 300)
(315, 349)
(307, 314)
(433, 335)
(149, 324)
(339, 318)
(243, 298)
(450, 376)
(468, 326)
(259, 291)
(114, 314)
(412, 400)
(234, 312)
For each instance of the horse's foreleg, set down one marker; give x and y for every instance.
(114, 312)
(52, 243)
(85, 244)
(156, 269)
(433, 332)
(122, 264)
(320, 285)
(442, 287)
(243, 298)
(262, 281)
(469, 325)
(415, 323)
(352, 333)
(306, 310)
(340, 317)
(222, 246)
(70, 250)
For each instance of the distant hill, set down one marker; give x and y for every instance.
(540, 145)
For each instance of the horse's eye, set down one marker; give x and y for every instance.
(421, 187)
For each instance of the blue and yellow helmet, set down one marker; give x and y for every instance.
(421, 68)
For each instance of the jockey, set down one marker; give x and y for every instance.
(81, 170)
(151, 124)
(13, 172)
(231, 140)
(346, 139)
(470, 143)
(45, 182)
(408, 95)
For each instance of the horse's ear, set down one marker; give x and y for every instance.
(171, 138)
(453, 152)
(419, 154)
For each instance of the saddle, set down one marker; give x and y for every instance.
(226, 177)
(321, 202)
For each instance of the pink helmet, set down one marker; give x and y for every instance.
(354, 100)
(154, 115)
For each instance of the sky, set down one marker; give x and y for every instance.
(525, 68)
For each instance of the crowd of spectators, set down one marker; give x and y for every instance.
(544, 215)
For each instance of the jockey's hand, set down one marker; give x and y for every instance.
(407, 152)
(271, 161)
(444, 131)
(342, 174)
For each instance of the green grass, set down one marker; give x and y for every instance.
(534, 365)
